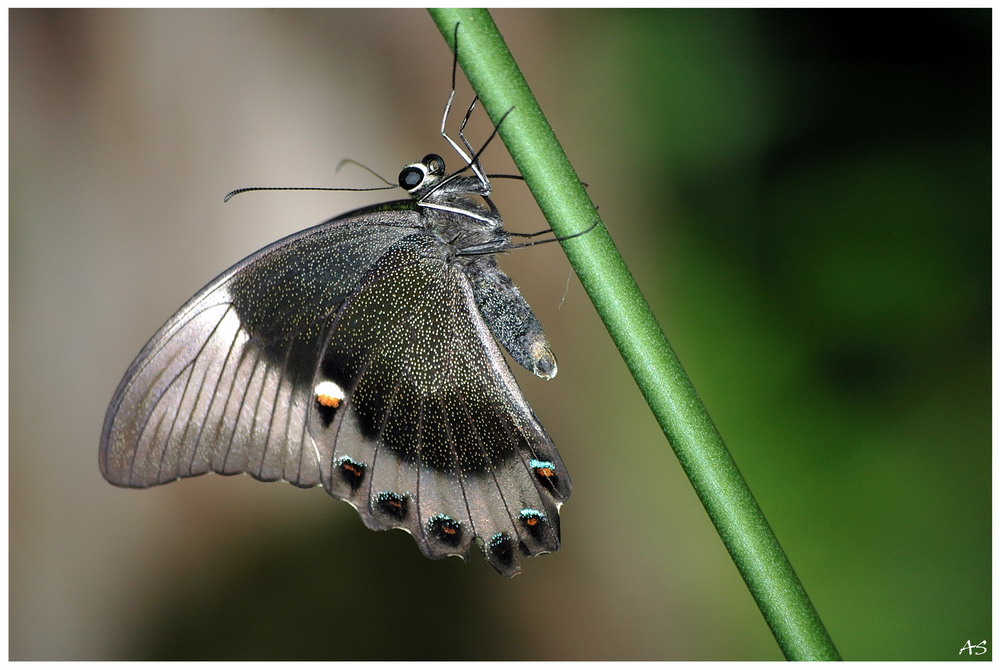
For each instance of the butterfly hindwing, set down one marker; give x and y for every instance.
(433, 435)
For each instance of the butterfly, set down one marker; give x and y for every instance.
(363, 355)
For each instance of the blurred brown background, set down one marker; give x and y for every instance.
(804, 197)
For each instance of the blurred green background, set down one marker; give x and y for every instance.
(803, 196)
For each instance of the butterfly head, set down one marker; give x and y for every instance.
(419, 179)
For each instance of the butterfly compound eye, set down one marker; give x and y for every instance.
(411, 177)
(434, 164)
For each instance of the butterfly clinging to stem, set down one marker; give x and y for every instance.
(363, 355)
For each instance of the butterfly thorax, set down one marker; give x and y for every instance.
(467, 228)
(455, 208)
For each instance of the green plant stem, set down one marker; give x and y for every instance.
(752, 544)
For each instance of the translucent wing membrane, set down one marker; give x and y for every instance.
(202, 398)
(220, 387)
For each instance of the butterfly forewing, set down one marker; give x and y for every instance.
(222, 387)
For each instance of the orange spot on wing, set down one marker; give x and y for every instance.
(328, 401)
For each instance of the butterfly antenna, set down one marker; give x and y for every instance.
(246, 189)
(363, 167)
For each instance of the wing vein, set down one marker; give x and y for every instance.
(215, 395)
